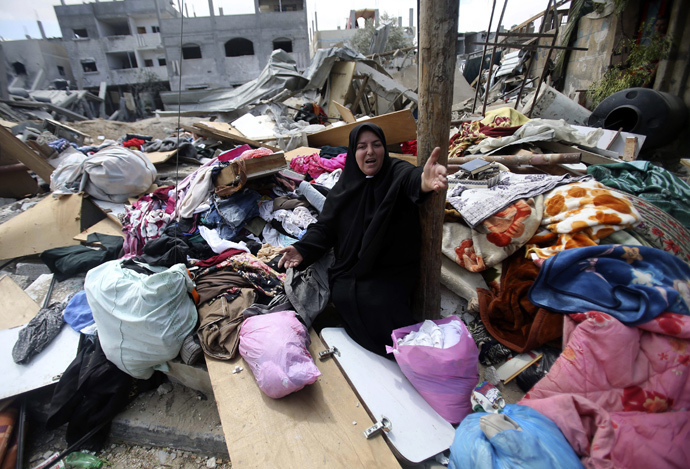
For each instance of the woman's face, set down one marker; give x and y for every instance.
(369, 152)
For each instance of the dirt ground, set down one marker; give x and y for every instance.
(156, 127)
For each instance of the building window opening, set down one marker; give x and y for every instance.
(155, 29)
(141, 29)
(61, 70)
(191, 51)
(238, 47)
(89, 66)
(19, 68)
(282, 43)
(162, 62)
(148, 62)
(80, 34)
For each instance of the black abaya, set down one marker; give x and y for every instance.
(373, 226)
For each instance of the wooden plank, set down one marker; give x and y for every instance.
(51, 223)
(158, 157)
(17, 184)
(16, 308)
(587, 156)
(206, 130)
(341, 81)
(301, 151)
(398, 127)
(18, 150)
(318, 426)
(345, 113)
(630, 149)
(7, 124)
(685, 162)
(109, 225)
(409, 158)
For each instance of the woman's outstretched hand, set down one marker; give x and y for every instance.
(434, 175)
(291, 258)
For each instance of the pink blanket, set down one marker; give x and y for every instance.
(619, 394)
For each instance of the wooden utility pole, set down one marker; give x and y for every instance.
(438, 35)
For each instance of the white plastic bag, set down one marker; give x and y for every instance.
(275, 348)
(142, 319)
(116, 173)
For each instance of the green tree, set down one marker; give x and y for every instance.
(396, 35)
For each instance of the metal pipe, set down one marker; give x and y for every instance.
(481, 64)
(493, 51)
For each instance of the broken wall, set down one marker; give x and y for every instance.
(215, 69)
(40, 58)
(602, 34)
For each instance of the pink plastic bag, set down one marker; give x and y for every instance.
(445, 377)
(275, 348)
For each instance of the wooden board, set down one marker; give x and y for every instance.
(301, 151)
(51, 223)
(314, 427)
(409, 158)
(108, 226)
(341, 81)
(16, 308)
(587, 156)
(418, 432)
(345, 113)
(7, 124)
(18, 150)
(17, 184)
(158, 157)
(213, 130)
(398, 126)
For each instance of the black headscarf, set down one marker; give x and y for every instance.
(358, 211)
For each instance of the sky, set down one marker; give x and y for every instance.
(18, 18)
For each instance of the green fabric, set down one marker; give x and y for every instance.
(649, 182)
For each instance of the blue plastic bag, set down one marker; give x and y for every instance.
(524, 439)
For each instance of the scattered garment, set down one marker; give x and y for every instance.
(580, 214)
(315, 166)
(263, 278)
(220, 322)
(660, 230)
(476, 205)
(78, 313)
(495, 238)
(38, 333)
(68, 261)
(218, 244)
(144, 220)
(508, 314)
(620, 394)
(634, 284)
(650, 182)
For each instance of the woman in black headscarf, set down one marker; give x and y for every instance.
(371, 219)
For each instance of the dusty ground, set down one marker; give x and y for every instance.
(122, 456)
(156, 127)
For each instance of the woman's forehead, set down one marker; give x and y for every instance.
(367, 135)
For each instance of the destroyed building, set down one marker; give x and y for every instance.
(135, 43)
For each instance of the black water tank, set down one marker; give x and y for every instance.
(657, 115)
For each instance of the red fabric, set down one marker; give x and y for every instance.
(218, 259)
(134, 142)
(409, 148)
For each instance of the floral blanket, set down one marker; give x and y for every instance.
(632, 283)
(621, 394)
(495, 238)
(581, 214)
